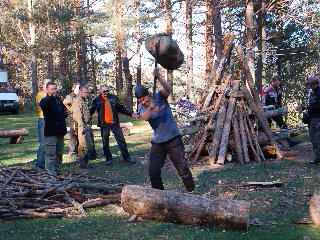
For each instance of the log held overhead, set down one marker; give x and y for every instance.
(172, 206)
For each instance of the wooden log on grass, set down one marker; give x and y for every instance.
(16, 136)
(172, 206)
(314, 209)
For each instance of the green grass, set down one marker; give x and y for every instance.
(280, 206)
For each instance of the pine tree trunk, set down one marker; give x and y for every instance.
(81, 45)
(189, 46)
(217, 28)
(49, 52)
(33, 58)
(118, 51)
(118, 72)
(261, 41)
(209, 39)
(93, 64)
(169, 31)
(138, 39)
(128, 92)
(249, 36)
(63, 64)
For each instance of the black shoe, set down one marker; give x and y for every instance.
(108, 162)
(92, 156)
(190, 188)
(313, 161)
(130, 161)
(86, 166)
(292, 143)
(188, 183)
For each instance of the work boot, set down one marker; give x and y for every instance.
(40, 169)
(108, 162)
(188, 182)
(314, 161)
(84, 163)
(130, 161)
(292, 142)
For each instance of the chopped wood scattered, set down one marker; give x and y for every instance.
(27, 194)
(149, 203)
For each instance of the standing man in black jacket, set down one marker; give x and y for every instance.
(313, 108)
(108, 106)
(54, 113)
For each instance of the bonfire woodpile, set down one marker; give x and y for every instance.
(26, 194)
(231, 123)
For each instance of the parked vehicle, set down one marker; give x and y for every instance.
(9, 101)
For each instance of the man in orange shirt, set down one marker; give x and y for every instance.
(108, 106)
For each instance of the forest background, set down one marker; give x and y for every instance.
(102, 41)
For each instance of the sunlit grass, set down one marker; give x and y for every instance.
(280, 206)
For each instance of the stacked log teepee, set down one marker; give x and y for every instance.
(232, 123)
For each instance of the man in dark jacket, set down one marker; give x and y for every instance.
(313, 108)
(54, 113)
(108, 106)
(271, 97)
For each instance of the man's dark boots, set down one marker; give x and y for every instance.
(84, 163)
(188, 182)
(292, 142)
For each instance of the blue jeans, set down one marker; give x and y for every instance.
(41, 150)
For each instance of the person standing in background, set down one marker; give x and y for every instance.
(82, 117)
(108, 107)
(73, 138)
(40, 129)
(54, 113)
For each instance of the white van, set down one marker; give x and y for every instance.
(9, 101)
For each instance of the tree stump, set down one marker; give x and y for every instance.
(172, 206)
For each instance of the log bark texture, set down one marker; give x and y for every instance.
(314, 209)
(13, 133)
(227, 125)
(149, 203)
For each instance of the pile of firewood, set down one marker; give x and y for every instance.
(26, 194)
(231, 123)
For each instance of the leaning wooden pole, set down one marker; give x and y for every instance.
(173, 206)
(253, 90)
(227, 124)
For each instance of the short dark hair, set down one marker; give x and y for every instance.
(75, 84)
(140, 92)
(276, 78)
(82, 87)
(50, 84)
